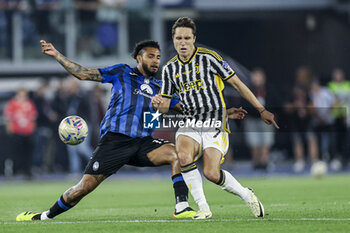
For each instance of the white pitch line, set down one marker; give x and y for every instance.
(177, 221)
(278, 205)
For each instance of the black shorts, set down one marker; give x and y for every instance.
(115, 150)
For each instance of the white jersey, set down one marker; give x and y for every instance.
(199, 83)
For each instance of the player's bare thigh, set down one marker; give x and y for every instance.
(186, 149)
(164, 154)
(211, 164)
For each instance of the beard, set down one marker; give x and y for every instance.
(147, 71)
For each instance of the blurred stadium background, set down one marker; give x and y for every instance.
(301, 47)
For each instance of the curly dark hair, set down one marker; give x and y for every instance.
(144, 44)
(185, 22)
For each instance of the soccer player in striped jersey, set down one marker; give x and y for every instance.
(197, 75)
(124, 139)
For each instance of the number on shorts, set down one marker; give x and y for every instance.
(217, 134)
(160, 141)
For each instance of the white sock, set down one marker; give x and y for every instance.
(231, 185)
(181, 206)
(43, 216)
(193, 180)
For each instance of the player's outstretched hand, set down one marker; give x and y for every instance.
(48, 49)
(156, 101)
(268, 118)
(236, 113)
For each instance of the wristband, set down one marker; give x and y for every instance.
(262, 111)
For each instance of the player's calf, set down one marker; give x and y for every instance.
(212, 175)
(68, 200)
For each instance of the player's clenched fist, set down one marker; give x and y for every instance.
(156, 101)
(48, 49)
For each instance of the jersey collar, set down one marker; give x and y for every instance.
(136, 71)
(188, 60)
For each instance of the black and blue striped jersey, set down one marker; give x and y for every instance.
(131, 96)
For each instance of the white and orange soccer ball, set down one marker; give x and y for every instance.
(73, 130)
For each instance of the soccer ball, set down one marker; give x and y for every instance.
(73, 130)
(319, 169)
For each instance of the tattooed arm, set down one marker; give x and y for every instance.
(73, 68)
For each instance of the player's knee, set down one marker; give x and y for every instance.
(212, 175)
(184, 158)
(172, 157)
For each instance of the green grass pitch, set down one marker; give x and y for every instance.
(292, 204)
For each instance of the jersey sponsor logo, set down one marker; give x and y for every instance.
(145, 90)
(193, 85)
(146, 87)
(139, 92)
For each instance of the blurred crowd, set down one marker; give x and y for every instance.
(31, 143)
(314, 114)
(313, 117)
(96, 24)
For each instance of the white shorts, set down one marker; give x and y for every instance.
(207, 138)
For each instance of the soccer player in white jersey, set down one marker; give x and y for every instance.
(197, 75)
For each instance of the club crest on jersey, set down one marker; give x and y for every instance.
(193, 85)
(95, 166)
(198, 70)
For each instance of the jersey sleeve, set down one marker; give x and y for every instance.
(174, 100)
(221, 67)
(111, 73)
(167, 89)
